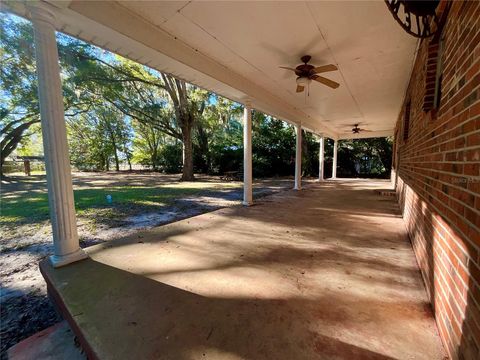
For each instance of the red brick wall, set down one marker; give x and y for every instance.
(438, 178)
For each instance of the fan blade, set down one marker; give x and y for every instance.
(326, 81)
(287, 68)
(324, 68)
(300, 88)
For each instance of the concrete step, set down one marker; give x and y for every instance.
(54, 343)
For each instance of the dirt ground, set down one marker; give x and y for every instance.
(25, 307)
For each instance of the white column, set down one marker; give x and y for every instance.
(298, 158)
(247, 155)
(57, 163)
(321, 157)
(334, 165)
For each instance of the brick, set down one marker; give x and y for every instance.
(471, 169)
(439, 177)
(473, 139)
(473, 217)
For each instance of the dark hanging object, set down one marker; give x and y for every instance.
(418, 18)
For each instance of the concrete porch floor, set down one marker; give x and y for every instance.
(325, 273)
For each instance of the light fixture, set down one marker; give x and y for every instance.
(305, 82)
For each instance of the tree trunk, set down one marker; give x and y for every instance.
(129, 159)
(11, 139)
(185, 115)
(209, 162)
(202, 138)
(114, 144)
(153, 159)
(187, 172)
(117, 163)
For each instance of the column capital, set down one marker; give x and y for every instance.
(247, 103)
(39, 11)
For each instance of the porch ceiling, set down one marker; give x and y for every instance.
(236, 48)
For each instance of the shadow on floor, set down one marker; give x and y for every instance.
(131, 316)
(295, 277)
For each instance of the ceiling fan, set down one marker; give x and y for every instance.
(356, 129)
(306, 73)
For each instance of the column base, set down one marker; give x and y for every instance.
(247, 203)
(297, 188)
(62, 260)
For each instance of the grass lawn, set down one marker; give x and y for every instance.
(32, 206)
(140, 200)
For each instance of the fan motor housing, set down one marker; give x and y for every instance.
(304, 70)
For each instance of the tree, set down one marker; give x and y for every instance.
(98, 136)
(147, 144)
(88, 148)
(115, 128)
(370, 157)
(310, 149)
(19, 109)
(189, 103)
(219, 125)
(273, 145)
(141, 94)
(225, 136)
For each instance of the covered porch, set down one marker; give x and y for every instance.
(326, 273)
(366, 56)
